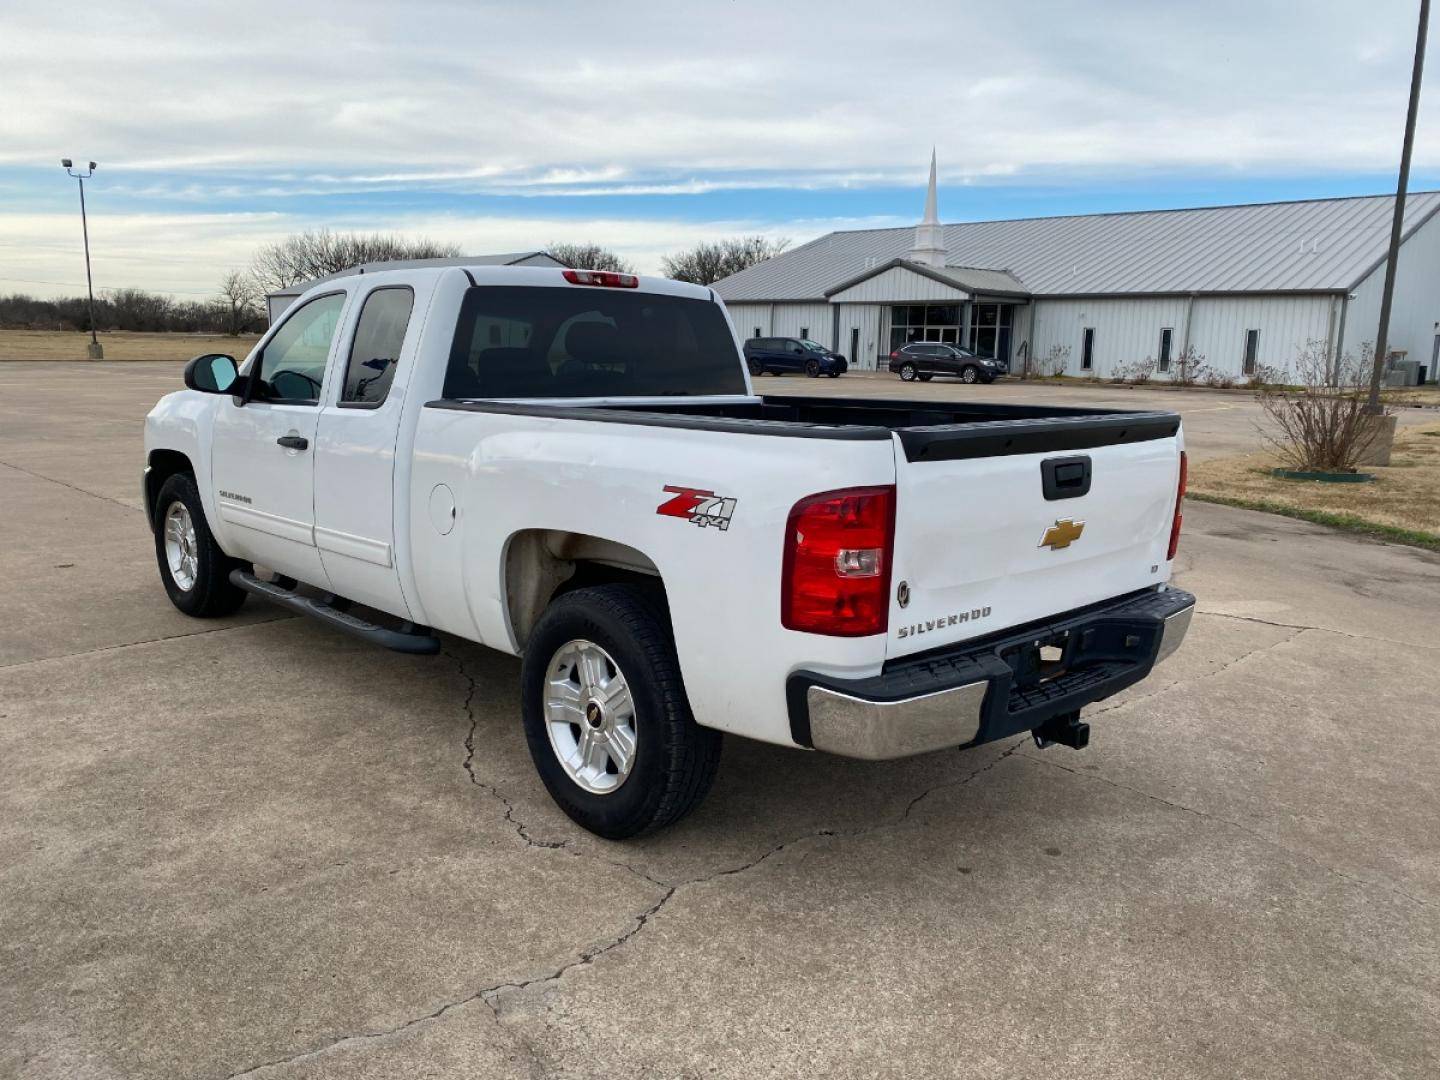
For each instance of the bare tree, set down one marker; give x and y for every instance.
(708, 262)
(589, 257)
(309, 255)
(1322, 423)
(135, 309)
(238, 304)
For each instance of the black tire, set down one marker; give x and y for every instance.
(756, 368)
(812, 368)
(927, 377)
(211, 594)
(675, 759)
(908, 372)
(969, 374)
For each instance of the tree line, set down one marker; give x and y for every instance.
(239, 304)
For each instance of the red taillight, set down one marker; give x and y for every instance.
(608, 278)
(895, 355)
(1179, 499)
(836, 578)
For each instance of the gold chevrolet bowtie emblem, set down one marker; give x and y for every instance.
(1062, 534)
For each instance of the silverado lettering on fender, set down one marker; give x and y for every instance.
(502, 454)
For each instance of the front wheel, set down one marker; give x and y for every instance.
(606, 717)
(756, 368)
(195, 572)
(908, 372)
(969, 375)
(812, 368)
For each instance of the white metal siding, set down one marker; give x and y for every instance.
(1286, 325)
(790, 319)
(747, 317)
(899, 286)
(1126, 331)
(1416, 307)
(866, 319)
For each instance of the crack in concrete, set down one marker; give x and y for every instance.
(1167, 687)
(1318, 629)
(279, 617)
(72, 487)
(1271, 841)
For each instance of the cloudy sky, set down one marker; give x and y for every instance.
(647, 126)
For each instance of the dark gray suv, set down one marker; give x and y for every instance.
(924, 360)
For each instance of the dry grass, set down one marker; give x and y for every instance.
(118, 345)
(1404, 499)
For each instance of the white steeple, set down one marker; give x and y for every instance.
(929, 246)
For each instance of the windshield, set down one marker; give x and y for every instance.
(813, 346)
(583, 341)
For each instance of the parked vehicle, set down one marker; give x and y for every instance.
(571, 467)
(777, 356)
(924, 360)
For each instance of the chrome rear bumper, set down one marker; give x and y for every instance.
(976, 692)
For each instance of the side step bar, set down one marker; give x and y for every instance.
(331, 609)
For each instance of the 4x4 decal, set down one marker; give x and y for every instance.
(698, 506)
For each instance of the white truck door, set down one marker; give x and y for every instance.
(355, 450)
(262, 454)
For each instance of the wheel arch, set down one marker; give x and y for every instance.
(161, 465)
(541, 564)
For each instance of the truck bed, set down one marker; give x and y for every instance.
(928, 431)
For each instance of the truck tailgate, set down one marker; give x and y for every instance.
(983, 542)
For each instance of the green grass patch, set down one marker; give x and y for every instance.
(1331, 518)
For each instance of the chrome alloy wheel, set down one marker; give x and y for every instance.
(182, 550)
(590, 716)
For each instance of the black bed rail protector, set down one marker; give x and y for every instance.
(694, 422)
(999, 438)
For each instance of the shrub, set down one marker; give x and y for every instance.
(1053, 364)
(1189, 368)
(1135, 373)
(1321, 423)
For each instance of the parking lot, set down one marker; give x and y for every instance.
(254, 847)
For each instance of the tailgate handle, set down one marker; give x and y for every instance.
(1065, 477)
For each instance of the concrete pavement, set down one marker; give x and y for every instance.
(256, 848)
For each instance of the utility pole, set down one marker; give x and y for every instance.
(95, 351)
(1382, 346)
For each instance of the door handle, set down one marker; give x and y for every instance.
(294, 442)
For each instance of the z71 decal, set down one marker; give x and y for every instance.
(699, 507)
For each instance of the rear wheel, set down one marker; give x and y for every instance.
(908, 372)
(756, 368)
(195, 572)
(606, 717)
(969, 375)
(812, 368)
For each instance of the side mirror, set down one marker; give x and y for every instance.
(211, 373)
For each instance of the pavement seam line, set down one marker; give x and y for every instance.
(1205, 815)
(72, 487)
(279, 617)
(1318, 629)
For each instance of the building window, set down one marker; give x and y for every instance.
(1252, 348)
(987, 324)
(924, 322)
(1167, 339)
(757, 332)
(1087, 349)
(804, 332)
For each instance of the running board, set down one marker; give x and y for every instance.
(409, 639)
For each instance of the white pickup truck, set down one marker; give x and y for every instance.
(572, 467)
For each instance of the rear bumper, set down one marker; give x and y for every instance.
(980, 691)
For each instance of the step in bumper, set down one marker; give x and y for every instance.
(978, 691)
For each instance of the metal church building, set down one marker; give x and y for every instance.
(1242, 286)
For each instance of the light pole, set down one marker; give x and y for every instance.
(95, 351)
(1381, 345)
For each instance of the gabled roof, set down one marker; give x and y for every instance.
(513, 258)
(971, 279)
(1320, 245)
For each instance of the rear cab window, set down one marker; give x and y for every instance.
(375, 349)
(578, 342)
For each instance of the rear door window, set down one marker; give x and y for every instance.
(584, 341)
(375, 350)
